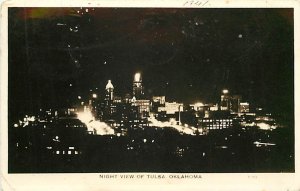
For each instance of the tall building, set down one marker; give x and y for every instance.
(235, 103)
(230, 102)
(109, 94)
(109, 106)
(138, 91)
(225, 100)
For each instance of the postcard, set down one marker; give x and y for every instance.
(127, 95)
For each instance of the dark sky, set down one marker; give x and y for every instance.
(188, 54)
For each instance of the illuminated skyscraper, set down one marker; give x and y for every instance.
(109, 91)
(137, 86)
(225, 100)
(230, 102)
(109, 106)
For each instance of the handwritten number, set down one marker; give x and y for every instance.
(196, 3)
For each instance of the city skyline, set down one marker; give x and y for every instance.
(185, 54)
(138, 86)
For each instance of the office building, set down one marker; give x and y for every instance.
(137, 90)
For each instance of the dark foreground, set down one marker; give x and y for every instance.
(38, 150)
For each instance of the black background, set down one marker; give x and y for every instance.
(188, 54)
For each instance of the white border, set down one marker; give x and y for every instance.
(91, 181)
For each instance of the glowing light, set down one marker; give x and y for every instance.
(32, 118)
(26, 123)
(225, 91)
(259, 144)
(85, 116)
(94, 95)
(244, 103)
(182, 129)
(200, 130)
(244, 124)
(99, 128)
(79, 97)
(56, 139)
(199, 104)
(16, 125)
(109, 85)
(265, 126)
(137, 77)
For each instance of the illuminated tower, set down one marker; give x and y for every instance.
(137, 86)
(108, 107)
(225, 100)
(109, 91)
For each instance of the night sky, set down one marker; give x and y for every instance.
(188, 55)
